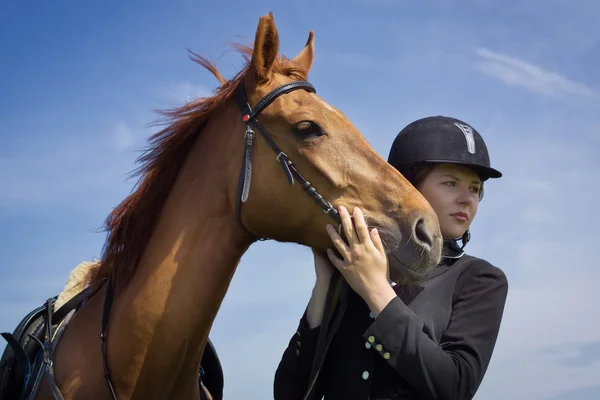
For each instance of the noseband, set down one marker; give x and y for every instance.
(250, 117)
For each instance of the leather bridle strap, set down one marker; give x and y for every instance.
(108, 299)
(250, 117)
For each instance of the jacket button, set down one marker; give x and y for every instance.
(378, 347)
(371, 339)
(367, 345)
(365, 375)
(386, 356)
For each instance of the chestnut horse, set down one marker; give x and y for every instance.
(174, 244)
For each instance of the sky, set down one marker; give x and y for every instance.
(79, 85)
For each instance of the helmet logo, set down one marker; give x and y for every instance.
(468, 132)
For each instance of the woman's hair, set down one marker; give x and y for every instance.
(419, 173)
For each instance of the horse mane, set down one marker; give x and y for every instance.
(131, 224)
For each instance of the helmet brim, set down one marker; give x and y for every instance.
(483, 171)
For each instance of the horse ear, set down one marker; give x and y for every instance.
(266, 46)
(304, 59)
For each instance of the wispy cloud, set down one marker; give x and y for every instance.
(185, 91)
(578, 355)
(123, 137)
(516, 72)
(86, 166)
(543, 337)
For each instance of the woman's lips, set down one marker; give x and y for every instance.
(460, 216)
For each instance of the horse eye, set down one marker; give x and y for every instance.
(309, 128)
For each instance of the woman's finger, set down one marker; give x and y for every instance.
(338, 242)
(348, 226)
(335, 260)
(360, 225)
(377, 242)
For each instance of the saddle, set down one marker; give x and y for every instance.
(23, 358)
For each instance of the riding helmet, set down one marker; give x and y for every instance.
(440, 139)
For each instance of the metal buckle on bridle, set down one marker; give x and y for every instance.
(281, 153)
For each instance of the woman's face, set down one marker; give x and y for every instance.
(453, 192)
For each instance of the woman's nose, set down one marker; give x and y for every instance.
(465, 196)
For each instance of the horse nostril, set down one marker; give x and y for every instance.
(422, 235)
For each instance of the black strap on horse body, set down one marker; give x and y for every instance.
(51, 319)
(75, 302)
(108, 299)
(250, 117)
(21, 356)
(48, 353)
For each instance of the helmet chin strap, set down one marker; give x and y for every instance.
(454, 248)
(465, 238)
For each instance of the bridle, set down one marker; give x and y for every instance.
(250, 117)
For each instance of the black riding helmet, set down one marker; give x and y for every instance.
(440, 139)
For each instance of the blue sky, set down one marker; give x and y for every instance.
(79, 85)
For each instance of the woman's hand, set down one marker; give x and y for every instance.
(323, 268)
(316, 305)
(364, 263)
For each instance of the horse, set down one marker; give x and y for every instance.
(217, 179)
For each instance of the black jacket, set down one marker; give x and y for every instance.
(433, 341)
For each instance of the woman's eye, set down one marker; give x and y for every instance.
(450, 183)
(475, 190)
(308, 128)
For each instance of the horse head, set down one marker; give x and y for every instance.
(336, 159)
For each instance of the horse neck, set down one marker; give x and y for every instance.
(163, 317)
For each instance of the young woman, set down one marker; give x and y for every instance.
(429, 341)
